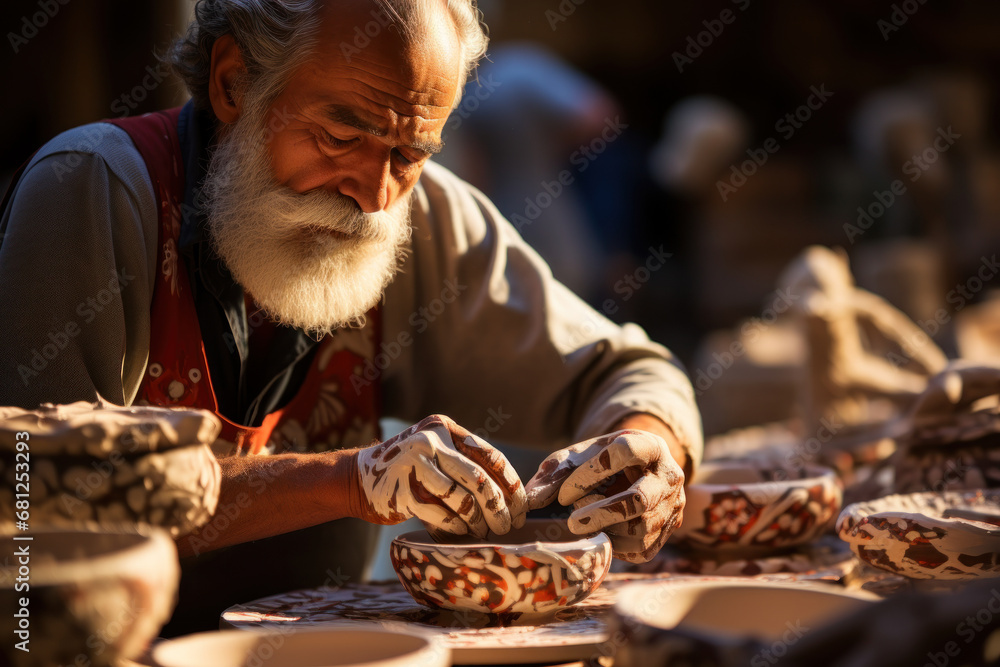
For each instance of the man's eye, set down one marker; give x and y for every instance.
(402, 157)
(406, 160)
(334, 141)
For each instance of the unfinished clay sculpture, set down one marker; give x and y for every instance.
(867, 360)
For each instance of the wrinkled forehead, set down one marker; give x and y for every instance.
(364, 51)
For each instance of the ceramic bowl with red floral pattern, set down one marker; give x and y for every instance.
(538, 569)
(755, 507)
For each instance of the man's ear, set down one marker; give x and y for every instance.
(227, 66)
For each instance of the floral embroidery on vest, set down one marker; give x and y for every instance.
(329, 411)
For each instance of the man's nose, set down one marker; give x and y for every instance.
(368, 184)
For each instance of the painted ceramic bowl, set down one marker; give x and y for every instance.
(950, 535)
(296, 647)
(722, 623)
(94, 597)
(754, 507)
(953, 439)
(110, 465)
(963, 453)
(534, 570)
(825, 558)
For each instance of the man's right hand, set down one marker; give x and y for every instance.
(439, 472)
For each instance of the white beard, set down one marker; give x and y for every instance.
(313, 260)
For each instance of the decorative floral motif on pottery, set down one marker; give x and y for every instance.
(950, 467)
(499, 579)
(797, 515)
(962, 452)
(927, 535)
(827, 559)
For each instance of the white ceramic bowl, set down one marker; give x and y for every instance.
(304, 647)
(537, 569)
(94, 597)
(948, 535)
(657, 623)
(753, 506)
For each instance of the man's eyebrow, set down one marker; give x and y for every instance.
(346, 116)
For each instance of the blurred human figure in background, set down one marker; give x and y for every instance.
(529, 118)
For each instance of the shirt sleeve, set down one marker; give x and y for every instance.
(76, 254)
(476, 327)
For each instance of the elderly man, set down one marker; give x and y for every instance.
(282, 252)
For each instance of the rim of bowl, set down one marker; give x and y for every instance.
(596, 540)
(855, 513)
(430, 645)
(54, 436)
(629, 598)
(816, 474)
(149, 543)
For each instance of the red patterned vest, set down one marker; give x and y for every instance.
(335, 407)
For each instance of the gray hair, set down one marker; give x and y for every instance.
(276, 36)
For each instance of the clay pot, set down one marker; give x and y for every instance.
(538, 569)
(752, 507)
(94, 597)
(951, 535)
(721, 623)
(294, 647)
(110, 465)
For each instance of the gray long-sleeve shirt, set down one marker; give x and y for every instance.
(77, 268)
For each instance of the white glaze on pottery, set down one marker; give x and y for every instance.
(537, 577)
(749, 505)
(927, 535)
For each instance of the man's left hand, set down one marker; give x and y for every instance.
(627, 484)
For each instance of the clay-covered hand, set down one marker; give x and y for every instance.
(626, 484)
(453, 481)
